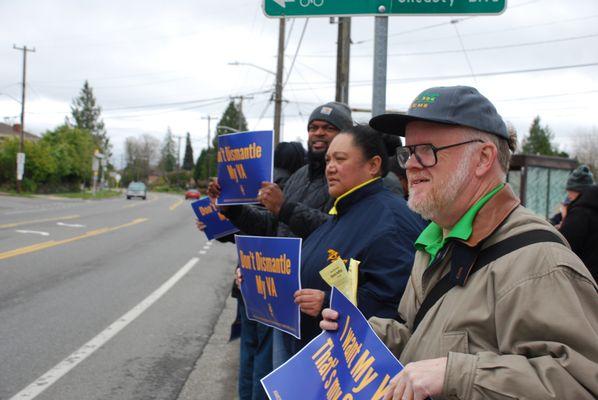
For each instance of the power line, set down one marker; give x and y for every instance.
(428, 27)
(160, 73)
(549, 96)
(476, 34)
(438, 77)
(506, 46)
(296, 52)
(182, 103)
(454, 22)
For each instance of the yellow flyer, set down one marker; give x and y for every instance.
(335, 274)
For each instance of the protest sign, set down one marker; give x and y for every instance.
(245, 160)
(349, 363)
(217, 225)
(270, 267)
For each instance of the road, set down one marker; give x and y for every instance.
(107, 299)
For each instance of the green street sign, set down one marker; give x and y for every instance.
(323, 8)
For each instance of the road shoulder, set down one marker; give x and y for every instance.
(215, 373)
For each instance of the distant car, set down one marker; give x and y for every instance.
(136, 189)
(192, 194)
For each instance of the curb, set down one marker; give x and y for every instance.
(215, 373)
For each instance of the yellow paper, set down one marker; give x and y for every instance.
(335, 274)
(354, 277)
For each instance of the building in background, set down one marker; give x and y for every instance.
(8, 131)
(540, 181)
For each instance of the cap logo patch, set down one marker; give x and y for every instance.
(326, 110)
(425, 100)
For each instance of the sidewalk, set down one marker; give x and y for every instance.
(214, 376)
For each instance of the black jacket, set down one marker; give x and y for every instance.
(580, 228)
(307, 187)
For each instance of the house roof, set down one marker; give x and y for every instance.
(7, 131)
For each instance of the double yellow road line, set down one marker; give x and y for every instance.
(54, 243)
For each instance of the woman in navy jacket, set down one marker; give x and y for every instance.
(369, 224)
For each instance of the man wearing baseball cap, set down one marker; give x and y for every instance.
(497, 305)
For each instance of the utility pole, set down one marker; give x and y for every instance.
(343, 50)
(278, 89)
(209, 118)
(380, 57)
(239, 119)
(21, 154)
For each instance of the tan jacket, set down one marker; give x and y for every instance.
(523, 327)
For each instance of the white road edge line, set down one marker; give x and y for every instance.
(62, 368)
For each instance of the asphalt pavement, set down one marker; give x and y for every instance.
(113, 299)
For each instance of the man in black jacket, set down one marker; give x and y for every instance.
(580, 217)
(305, 196)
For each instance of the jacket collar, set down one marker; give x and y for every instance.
(347, 199)
(487, 221)
(492, 215)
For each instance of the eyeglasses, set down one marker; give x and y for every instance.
(425, 153)
(326, 128)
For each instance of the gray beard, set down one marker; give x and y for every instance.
(443, 194)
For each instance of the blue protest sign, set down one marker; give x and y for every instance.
(245, 160)
(217, 225)
(271, 275)
(350, 363)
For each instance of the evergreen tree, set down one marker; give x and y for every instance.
(232, 120)
(86, 114)
(539, 141)
(168, 153)
(188, 159)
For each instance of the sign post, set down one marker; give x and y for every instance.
(381, 9)
(20, 166)
(325, 8)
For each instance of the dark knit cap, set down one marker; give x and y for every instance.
(335, 113)
(580, 178)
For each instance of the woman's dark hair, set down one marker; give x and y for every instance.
(289, 156)
(371, 142)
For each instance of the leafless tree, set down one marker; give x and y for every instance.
(585, 148)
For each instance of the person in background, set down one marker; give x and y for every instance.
(369, 223)
(578, 179)
(395, 180)
(255, 359)
(497, 305)
(579, 223)
(288, 158)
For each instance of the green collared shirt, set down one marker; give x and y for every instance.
(431, 240)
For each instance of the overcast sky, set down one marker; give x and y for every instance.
(157, 64)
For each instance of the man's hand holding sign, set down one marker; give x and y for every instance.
(271, 196)
(416, 381)
(348, 363)
(210, 220)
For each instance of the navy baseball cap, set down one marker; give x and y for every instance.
(450, 105)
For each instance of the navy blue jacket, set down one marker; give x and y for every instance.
(373, 226)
